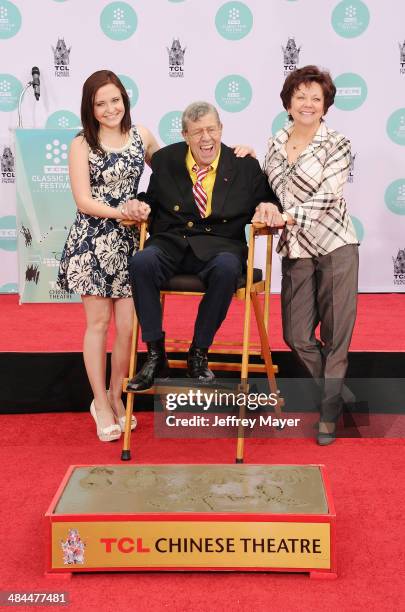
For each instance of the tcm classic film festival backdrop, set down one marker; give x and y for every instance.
(171, 52)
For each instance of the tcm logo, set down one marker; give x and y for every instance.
(234, 17)
(61, 58)
(291, 55)
(399, 267)
(56, 155)
(401, 57)
(349, 92)
(10, 19)
(350, 17)
(176, 59)
(7, 166)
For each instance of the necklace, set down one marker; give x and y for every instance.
(122, 143)
(302, 143)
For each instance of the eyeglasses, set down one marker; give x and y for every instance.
(210, 131)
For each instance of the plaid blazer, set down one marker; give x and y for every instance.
(311, 191)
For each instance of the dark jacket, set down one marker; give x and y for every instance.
(175, 221)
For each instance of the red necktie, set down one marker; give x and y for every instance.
(200, 195)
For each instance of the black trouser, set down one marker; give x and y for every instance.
(151, 268)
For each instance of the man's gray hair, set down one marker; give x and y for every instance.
(195, 111)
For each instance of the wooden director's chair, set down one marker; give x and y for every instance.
(251, 285)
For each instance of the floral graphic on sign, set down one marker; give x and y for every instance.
(73, 548)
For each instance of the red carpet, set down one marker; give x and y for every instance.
(380, 324)
(366, 476)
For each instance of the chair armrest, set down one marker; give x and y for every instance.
(261, 229)
(130, 222)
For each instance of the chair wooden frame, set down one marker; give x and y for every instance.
(250, 294)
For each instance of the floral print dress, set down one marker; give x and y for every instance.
(94, 260)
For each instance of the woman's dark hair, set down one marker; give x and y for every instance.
(89, 122)
(306, 75)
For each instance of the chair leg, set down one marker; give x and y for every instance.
(244, 386)
(266, 353)
(267, 282)
(126, 452)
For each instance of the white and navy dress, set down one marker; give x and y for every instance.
(94, 260)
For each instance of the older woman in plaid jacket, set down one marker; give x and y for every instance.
(307, 165)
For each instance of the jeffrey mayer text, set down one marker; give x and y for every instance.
(213, 420)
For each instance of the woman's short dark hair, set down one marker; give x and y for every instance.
(306, 75)
(89, 122)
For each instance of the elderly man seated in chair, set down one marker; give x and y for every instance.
(201, 196)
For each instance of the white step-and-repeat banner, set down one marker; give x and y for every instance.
(235, 55)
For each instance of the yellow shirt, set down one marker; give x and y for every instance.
(208, 181)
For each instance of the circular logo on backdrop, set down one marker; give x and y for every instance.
(234, 20)
(131, 88)
(10, 90)
(118, 20)
(359, 228)
(280, 121)
(8, 233)
(350, 18)
(170, 127)
(395, 197)
(351, 91)
(62, 119)
(233, 93)
(10, 19)
(396, 126)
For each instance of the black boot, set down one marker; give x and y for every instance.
(197, 364)
(155, 366)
